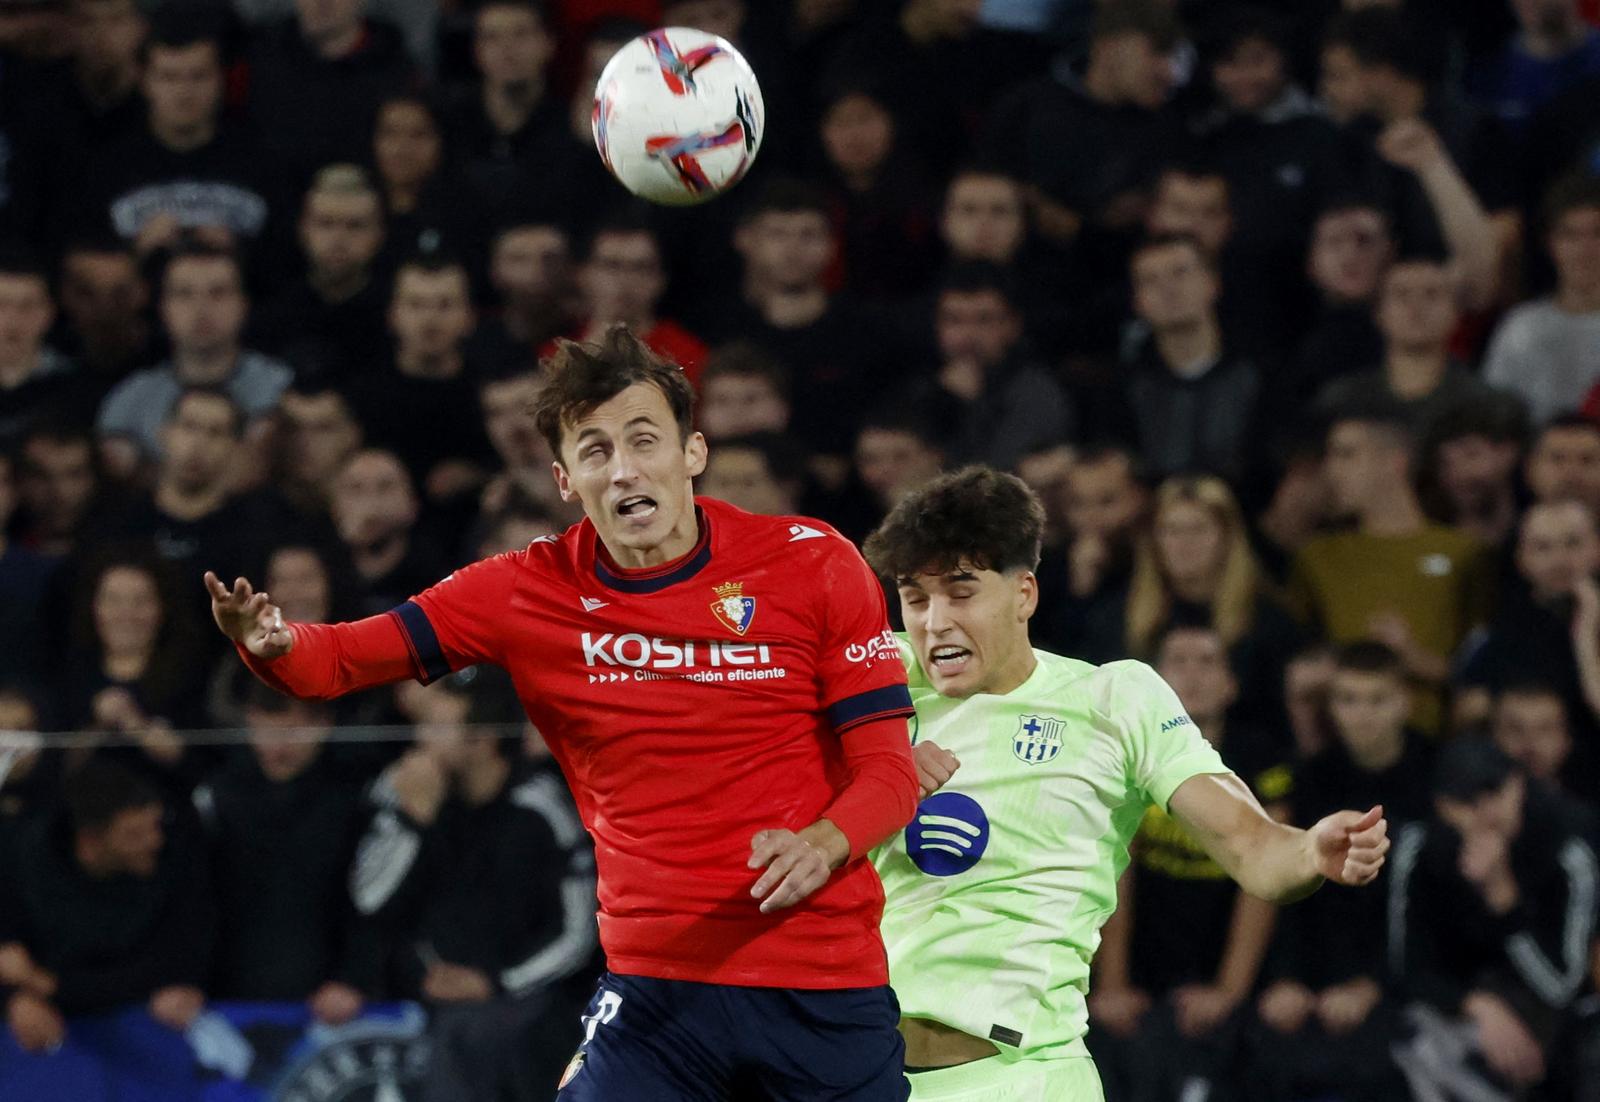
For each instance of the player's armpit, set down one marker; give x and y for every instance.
(882, 794)
(329, 660)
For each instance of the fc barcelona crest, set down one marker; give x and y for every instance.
(733, 608)
(1038, 739)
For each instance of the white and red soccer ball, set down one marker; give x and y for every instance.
(678, 116)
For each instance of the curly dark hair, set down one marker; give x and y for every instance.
(976, 515)
(582, 377)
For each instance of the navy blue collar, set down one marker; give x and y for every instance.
(653, 579)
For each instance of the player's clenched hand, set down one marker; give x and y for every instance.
(935, 766)
(1348, 847)
(796, 865)
(249, 618)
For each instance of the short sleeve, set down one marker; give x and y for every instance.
(461, 621)
(1164, 746)
(859, 666)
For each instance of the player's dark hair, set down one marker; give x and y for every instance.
(1370, 656)
(100, 789)
(585, 376)
(976, 515)
(747, 360)
(1576, 191)
(1150, 18)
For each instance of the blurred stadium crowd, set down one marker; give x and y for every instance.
(1290, 313)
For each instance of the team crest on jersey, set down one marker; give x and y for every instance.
(733, 608)
(1037, 739)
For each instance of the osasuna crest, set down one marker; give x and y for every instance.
(1038, 739)
(733, 608)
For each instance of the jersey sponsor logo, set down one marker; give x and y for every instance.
(593, 604)
(948, 835)
(1179, 720)
(880, 645)
(732, 608)
(798, 532)
(1037, 739)
(652, 658)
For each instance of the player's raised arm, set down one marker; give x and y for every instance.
(312, 661)
(1272, 861)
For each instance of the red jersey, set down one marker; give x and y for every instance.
(692, 705)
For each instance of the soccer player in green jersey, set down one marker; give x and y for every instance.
(997, 890)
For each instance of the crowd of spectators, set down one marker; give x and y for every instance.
(1289, 311)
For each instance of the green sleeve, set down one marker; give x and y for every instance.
(1164, 746)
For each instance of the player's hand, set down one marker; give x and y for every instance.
(36, 1025)
(456, 983)
(1118, 1009)
(935, 766)
(795, 866)
(335, 1003)
(1411, 144)
(1344, 1007)
(1200, 1008)
(420, 785)
(1508, 1045)
(1285, 1006)
(177, 1006)
(1348, 847)
(249, 618)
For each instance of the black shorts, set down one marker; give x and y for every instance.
(677, 1041)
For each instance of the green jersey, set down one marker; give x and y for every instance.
(996, 891)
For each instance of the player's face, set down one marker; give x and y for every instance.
(630, 467)
(969, 627)
(1532, 730)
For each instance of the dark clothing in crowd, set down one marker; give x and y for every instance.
(114, 940)
(280, 860)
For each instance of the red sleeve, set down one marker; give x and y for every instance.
(461, 621)
(882, 794)
(858, 661)
(329, 660)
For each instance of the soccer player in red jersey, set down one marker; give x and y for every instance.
(720, 691)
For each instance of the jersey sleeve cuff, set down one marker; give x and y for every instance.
(884, 703)
(422, 641)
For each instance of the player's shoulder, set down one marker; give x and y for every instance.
(1126, 685)
(805, 537)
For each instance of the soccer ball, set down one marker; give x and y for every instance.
(678, 116)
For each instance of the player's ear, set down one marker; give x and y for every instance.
(563, 483)
(1027, 596)
(695, 452)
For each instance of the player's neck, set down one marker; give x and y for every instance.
(678, 543)
(1015, 673)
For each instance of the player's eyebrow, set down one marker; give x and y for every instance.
(961, 576)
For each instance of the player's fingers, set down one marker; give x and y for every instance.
(763, 847)
(795, 887)
(1369, 850)
(780, 867)
(1370, 836)
(215, 588)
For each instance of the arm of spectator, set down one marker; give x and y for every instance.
(1547, 937)
(1268, 859)
(387, 877)
(1469, 234)
(1201, 1008)
(1415, 914)
(557, 934)
(1586, 640)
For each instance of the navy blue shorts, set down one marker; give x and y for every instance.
(677, 1041)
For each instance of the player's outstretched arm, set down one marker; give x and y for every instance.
(312, 661)
(1272, 861)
